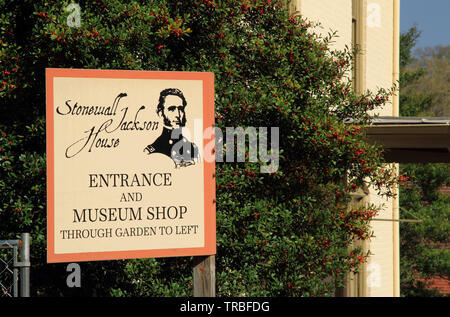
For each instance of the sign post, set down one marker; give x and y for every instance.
(130, 173)
(205, 276)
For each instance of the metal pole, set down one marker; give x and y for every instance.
(15, 273)
(25, 265)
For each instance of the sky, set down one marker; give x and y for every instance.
(432, 18)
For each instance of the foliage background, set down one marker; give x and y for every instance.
(287, 233)
(424, 246)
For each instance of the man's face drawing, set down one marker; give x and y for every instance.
(173, 112)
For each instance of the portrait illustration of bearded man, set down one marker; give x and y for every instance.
(171, 142)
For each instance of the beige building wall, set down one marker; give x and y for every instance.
(334, 15)
(380, 269)
(379, 48)
(383, 265)
(378, 62)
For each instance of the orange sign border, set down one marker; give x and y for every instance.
(209, 167)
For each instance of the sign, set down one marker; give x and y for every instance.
(130, 173)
